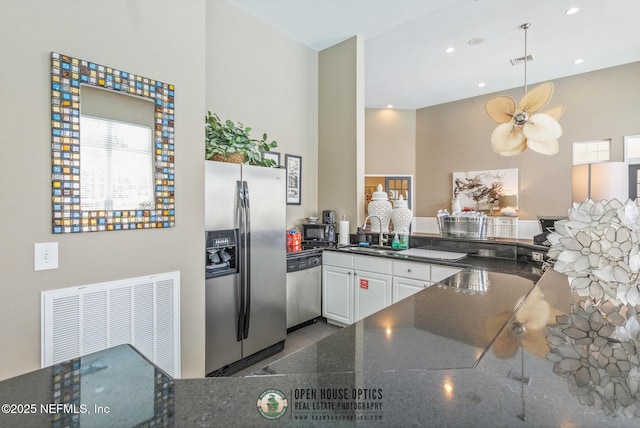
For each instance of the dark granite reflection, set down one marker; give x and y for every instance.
(116, 387)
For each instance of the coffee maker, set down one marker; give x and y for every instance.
(328, 217)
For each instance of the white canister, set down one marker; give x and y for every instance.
(381, 208)
(401, 216)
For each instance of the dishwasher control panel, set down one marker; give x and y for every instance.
(296, 264)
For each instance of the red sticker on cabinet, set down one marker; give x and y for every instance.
(364, 283)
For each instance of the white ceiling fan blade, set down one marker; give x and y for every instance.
(549, 147)
(542, 127)
(506, 138)
(521, 148)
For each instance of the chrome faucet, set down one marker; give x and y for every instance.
(364, 226)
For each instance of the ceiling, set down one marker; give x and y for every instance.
(405, 41)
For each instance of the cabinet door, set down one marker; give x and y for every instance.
(405, 287)
(505, 227)
(337, 294)
(372, 293)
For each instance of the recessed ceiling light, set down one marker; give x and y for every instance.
(451, 49)
(578, 61)
(572, 10)
(389, 105)
(481, 85)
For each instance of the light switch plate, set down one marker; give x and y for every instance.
(45, 256)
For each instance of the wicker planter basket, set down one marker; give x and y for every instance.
(232, 158)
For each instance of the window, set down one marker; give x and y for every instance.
(632, 149)
(399, 186)
(117, 165)
(591, 152)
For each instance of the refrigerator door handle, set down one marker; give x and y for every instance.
(247, 264)
(241, 259)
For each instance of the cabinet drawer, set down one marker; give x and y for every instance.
(421, 271)
(333, 258)
(438, 272)
(504, 222)
(372, 264)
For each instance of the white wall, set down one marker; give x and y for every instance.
(129, 36)
(341, 130)
(272, 86)
(262, 78)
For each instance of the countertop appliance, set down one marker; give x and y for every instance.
(318, 235)
(329, 217)
(304, 293)
(245, 296)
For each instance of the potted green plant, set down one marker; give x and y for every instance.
(227, 141)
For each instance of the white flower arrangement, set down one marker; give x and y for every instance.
(597, 347)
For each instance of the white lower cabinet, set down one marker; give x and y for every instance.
(356, 286)
(405, 287)
(337, 287)
(503, 227)
(372, 293)
(337, 294)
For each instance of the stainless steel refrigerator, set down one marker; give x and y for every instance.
(246, 298)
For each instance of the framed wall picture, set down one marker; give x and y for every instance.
(480, 190)
(293, 164)
(274, 156)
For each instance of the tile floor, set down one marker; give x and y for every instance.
(296, 340)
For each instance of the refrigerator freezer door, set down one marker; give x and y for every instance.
(267, 210)
(221, 208)
(222, 301)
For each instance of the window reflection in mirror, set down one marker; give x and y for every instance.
(117, 157)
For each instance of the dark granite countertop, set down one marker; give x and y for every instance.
(444, 357)
(420, 362)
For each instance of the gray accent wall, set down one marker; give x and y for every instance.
(219, 59)
(457, 137)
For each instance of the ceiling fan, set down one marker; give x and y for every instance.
(520, 126)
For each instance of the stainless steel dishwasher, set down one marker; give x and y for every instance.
(304, 293)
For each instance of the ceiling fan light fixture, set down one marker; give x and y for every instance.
(522, 125)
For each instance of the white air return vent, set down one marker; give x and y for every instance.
(144, 312)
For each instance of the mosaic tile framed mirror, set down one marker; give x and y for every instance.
(112, 149)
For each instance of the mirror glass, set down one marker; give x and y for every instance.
(112, 148)
(116, 148)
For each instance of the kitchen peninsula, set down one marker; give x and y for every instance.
(446, 356)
